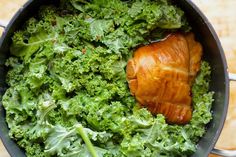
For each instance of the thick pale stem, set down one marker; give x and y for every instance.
(86, 140)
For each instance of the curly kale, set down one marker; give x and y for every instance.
(68, 94)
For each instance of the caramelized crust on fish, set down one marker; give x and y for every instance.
(160, 76)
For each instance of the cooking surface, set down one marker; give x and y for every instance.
(222, 16)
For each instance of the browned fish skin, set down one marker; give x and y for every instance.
(160, 76)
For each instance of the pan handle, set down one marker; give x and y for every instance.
(226, 153)
(3, 24)
(232, 77)
(221, 152)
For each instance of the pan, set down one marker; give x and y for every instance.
(204, 32)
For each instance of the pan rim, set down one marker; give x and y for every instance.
(219, 47)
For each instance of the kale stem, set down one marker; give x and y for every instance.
(87, 141)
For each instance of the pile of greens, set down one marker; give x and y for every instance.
(68, 95)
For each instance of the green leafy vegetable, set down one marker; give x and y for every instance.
(68, 95)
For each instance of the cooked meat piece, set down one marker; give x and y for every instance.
(195, 52)
(160, 76)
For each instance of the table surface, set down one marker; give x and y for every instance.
(222, 15)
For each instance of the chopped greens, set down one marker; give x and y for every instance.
(68, 95)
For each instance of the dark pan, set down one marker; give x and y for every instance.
(213, 54)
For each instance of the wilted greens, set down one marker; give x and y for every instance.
(68, 95)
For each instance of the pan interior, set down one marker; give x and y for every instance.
(202, 29)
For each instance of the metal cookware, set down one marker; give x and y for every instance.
(213, 53)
